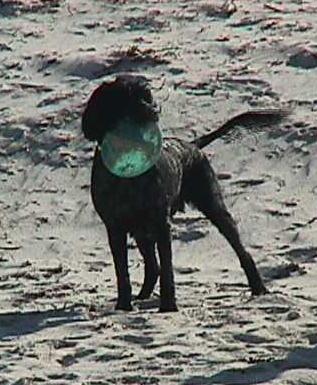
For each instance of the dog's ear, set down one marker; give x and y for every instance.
(92, 118)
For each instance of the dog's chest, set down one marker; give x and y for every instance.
(134, 202)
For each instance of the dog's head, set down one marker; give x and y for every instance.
(126, 97)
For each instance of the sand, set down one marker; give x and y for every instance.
(57, 284)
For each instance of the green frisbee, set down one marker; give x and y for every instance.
(131, 149)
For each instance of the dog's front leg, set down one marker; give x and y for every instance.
(167, 287)
(118, 246)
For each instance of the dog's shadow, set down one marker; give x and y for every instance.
(17, 324)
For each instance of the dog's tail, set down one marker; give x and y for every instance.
(254, 119)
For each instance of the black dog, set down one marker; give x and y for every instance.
(142, 206)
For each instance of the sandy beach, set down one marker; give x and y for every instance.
(206, 62)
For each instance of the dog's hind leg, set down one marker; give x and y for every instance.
(118, 246)
(208, 199)
(151, 269)
(222, 219)
(167, 286)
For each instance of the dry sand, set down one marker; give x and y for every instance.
(57, 286)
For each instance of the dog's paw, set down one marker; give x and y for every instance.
(259, 290)
(167, 308)
(142, 296)
(124, 306)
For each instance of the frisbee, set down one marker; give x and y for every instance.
(131, 149)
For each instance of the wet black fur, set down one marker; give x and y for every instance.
(142, 206)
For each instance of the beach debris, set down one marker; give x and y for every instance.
(64, 343)
(222, 37)
(145, 22)
(289, 203)
(249, 182)
(277, 213)
(135, 56)
(284, 270)
(293, 315)
(56, 291)
(305, 58)
(224, 175)
(225, 10)
(117, 1)
(247, 21)
(272, 23)
(16, 7)
(67, 360)
(275, 7)
(10, 247)
(93, 66)
(82, 66)
(188, 14)
(297, 225)
(307, 8)
(32, 87)
(5, 47)
(55, 98)
(49, 271)
(189, 235)
(187, 270)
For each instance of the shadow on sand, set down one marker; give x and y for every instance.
(21, 323)
(301, 358)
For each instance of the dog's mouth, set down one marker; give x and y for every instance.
(132, 148)
(147, 111)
